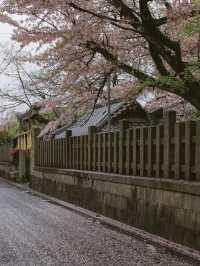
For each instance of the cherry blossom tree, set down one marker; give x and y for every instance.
(79, 44)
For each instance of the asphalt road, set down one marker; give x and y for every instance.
(34, 231)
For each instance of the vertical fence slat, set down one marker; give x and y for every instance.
(104, 153)
(43, 149)
(85, 152)
(158, 152)
(71, 152)
(134, 147)
(169, 123)
(109, 147)
(59, 153)
(116, 151)
(149, 151)
(78, 152)
(81, 152)
(63, 154)
(94, 152)
(141, 151)
(187, 150)
(128, 147)
(177, 163)
(75, 152)
(197, 159)
(99, 152)
(56, 153)
(39, 152)
(91, 133)
(47, 153)
(122, 147)
(51, 153)
(72, 141)
(40, 143)
(68, 149)
(44, 152)
(76, 144)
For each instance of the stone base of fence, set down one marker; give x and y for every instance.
(169, 208)
(8, 171)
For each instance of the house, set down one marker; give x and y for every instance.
(132, 111)
(98, 118)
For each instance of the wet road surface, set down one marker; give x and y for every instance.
(34, 231)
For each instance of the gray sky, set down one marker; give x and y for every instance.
(5, 81)
(5, 32)
(5, 41)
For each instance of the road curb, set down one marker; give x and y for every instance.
(148, 238)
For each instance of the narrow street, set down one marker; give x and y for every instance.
(34, 231)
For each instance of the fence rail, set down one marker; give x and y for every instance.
(170, 150)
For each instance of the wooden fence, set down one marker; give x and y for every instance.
(5, 156)
(169, 150)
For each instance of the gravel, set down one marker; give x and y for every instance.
(34, 231)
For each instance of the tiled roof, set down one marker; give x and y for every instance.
(98, 118)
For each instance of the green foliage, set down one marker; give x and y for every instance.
(192, 26)
(9, 131)
(168, 83)
(12, 130)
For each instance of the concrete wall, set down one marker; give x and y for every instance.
(169, 208)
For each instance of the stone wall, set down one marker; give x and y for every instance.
(169, 208)
(8, 171)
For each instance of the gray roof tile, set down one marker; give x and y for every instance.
(98, 119)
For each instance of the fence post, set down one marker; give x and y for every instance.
(169, 124)
(122, 150)
(68, 149)
(91, 131)
(197, 162)
(34, 150)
